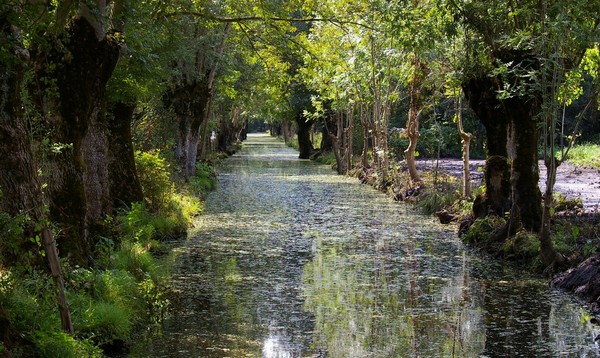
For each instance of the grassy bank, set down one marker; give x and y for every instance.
(123, 291)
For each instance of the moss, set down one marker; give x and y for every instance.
(484, 231)
(432, 202)
(523, 245)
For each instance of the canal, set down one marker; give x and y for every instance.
(291, 260)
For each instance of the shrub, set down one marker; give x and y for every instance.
(108, 320)
(153, 173)
(204, 180)
(134, 258)
(61, 345)
(436, 200)
(523, 245)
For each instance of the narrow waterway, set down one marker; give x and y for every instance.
(291, 260)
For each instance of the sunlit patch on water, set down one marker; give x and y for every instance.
(291, 260)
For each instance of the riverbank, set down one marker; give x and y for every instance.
(574, 226)
(291, 259)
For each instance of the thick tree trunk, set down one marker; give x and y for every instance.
(524, 178)
(511, 135)
(19, 182)
(482, 96)
(304, 142)
(79, 185)
(125, 186)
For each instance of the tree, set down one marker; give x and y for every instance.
(20, 188)
(502, 65)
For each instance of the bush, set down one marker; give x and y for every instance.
(135, 258)
(61, 345)
(153, 173)
(106, 322)
(204, 180)
(523, 245)
(437, 200)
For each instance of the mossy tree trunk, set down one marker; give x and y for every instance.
(523, 150)
(125, 186)
(304, 142)
(21, 191)
(81, 65)
(512, 136)
(481, 93)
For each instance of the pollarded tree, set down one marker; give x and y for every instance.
(75, 47)
(21, 192)
(419, 26)
(503, 62)
(199, 43)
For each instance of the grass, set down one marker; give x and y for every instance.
(587, 155)
(126, 289)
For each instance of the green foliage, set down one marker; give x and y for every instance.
(523, 245)
(587, 155)
(106, 322)
(135, 258)
(436, 200)
(327, 158)
(153, 174)
(166, 213)
(204, 180)
(483, 230)
(12, 230)
(61, 345)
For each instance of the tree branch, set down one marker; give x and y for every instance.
(263, 18)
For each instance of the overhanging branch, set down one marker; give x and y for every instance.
(267, 18)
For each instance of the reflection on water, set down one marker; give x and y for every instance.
(291, 260)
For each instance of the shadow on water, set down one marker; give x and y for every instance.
(291, 260)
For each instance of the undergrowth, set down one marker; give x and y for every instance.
(587, 155)
(125, 290)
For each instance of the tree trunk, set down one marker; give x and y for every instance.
(366, 127)
(482, 96)
(304, 142)
(412, 125)
(524, 177)
(189, 102)
(204, 141)
(327, 129)
(125, 187)
(79, 182)
(465, 143)
(550, 256)
(19, 182)
(511, 134)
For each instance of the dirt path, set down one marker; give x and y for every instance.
(572, 181)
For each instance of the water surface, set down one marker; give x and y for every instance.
(291, 260)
